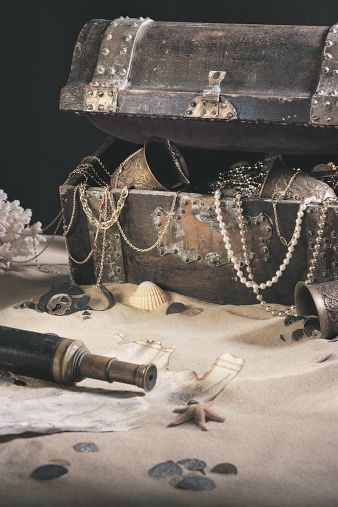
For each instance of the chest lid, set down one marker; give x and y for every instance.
(191, 81)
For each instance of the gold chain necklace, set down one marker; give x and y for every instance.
(275, 199)
(160, 236)
(103, 224)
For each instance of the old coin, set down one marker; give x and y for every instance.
(196, 483)
(290, 319)
(193, 464)
(176, 308)
(49, 472)
(225, 468)
(166, 469)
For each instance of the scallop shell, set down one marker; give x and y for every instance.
(148, 296)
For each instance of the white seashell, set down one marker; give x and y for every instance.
(148, 296)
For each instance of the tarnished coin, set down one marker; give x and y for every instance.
(196, 483)
(193, 464)
(49, 472)
(225, 468)
(291, 319)
(166, 469)
(176, 308)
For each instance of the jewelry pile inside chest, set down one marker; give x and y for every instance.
(219, 176)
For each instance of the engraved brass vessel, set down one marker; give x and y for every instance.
(319, 299)
(158, 165)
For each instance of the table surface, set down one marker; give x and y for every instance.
(281, 410)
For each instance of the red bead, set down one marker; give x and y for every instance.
(94, 246)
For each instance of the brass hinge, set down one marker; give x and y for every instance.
(210, 104)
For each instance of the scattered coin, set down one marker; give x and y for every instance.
(86, 447)
(290, 319)
(193, 464)
(225, 468)
(196, 483)
(166, 469)
(176, 308)
(49, 472)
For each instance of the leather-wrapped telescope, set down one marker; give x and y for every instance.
(66, 361)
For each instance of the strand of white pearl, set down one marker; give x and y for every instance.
(288, 256)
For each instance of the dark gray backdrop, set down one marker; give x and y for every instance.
(39, 144)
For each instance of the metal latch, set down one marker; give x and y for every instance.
(210, 104)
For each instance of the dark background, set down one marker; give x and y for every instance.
(39, 144)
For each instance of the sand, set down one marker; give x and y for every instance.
(281, 410)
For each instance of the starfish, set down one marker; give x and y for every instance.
(199, 412)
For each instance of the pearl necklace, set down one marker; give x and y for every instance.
(249, 281)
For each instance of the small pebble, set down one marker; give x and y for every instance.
(49, 472)
(86, 447)
(166, 469)
(193, 464)
(225, 468)
(283, 338)
(176, 308)
(19, 382)
(196, 483)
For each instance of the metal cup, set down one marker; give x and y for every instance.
(320, 299)
(302, 186)
(158, 165)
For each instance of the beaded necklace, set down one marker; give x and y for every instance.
(248, 280)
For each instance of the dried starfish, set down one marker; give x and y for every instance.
(199, 412)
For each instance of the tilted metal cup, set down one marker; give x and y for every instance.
(158, 165)
(320, 299)
(302, 186)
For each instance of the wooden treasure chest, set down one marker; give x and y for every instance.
(225, 103)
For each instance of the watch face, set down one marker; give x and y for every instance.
(63, 300)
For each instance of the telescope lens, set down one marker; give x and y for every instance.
(146, 376)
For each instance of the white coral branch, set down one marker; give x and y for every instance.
(17, 237)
